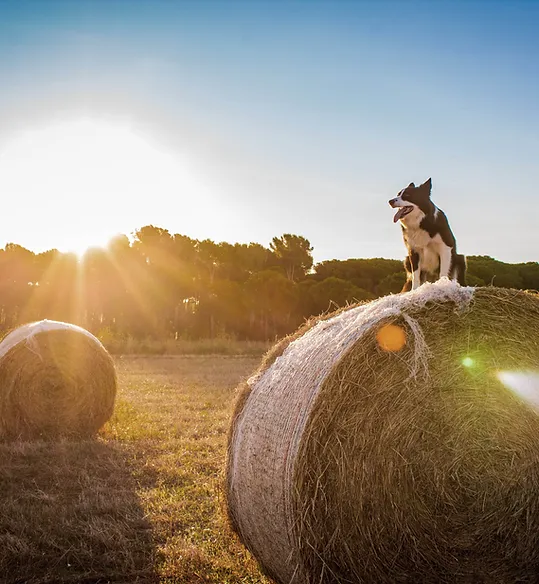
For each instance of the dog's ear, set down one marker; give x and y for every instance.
(427, 184)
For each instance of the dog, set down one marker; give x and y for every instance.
(432, 248)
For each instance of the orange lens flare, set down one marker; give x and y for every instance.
(391, 337)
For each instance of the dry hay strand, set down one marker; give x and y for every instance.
(56, 379)
(397, 441)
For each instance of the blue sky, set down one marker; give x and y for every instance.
(301, 117)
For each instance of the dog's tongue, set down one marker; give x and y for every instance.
(399, 214)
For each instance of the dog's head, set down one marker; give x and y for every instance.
(411, 199)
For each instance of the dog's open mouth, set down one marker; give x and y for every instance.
(402, 212)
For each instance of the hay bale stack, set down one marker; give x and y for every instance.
(396, 441)
(56, 379)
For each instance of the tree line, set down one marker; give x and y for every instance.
(163, 285)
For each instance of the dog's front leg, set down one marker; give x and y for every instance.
(416, 271)
(445, 261)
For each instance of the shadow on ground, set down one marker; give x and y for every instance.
(69, 513)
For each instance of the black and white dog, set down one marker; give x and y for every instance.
(432, 249)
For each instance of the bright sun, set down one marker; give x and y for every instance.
(73, 185)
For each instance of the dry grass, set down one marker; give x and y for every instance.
(143, 502)
(216, 346)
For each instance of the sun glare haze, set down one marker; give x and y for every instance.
(75, 184)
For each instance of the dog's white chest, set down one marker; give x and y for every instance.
(429, 248)
(418, 238)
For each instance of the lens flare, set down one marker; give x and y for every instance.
(468, 362)
(391, 337)
(525, 384)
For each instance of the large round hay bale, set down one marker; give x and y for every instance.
(56, 379)
(396, 441)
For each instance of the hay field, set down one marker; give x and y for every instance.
(143, 502)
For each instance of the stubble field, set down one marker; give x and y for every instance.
(142, 503)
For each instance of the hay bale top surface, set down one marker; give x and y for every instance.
(331, 337)
(28, 331)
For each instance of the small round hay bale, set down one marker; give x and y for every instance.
(395, 441)
(56, 379)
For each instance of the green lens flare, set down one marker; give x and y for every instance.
(468, 362)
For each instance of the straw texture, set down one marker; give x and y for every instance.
(382, 445)
(56, 379)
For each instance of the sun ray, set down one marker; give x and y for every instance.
(68, 291)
